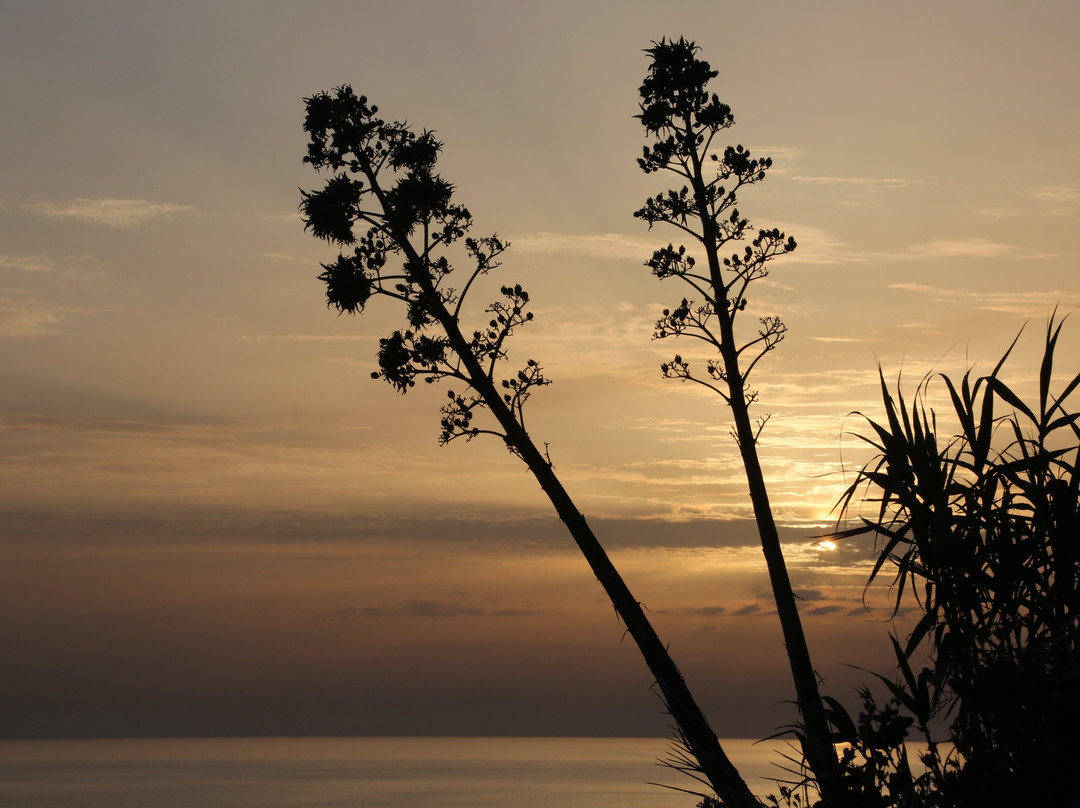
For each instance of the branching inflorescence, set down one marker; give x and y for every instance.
(400, 225)
(684, 118)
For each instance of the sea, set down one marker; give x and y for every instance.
(362, 773)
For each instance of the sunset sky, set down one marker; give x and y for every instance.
(212, 520)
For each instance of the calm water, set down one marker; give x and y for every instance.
(355, 772)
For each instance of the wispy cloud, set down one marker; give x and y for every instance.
(816, 246)
(700, 611)
(1028, 304)
(435, 608)
(71, 266)
(304, 337)
(1056, 194)
(1056, 200)
(424, 608)
(601, 245)
(966, 248)
(350, 612)
(867, 183)
(783, 156)
(23, 314)
(824, 610)
(54, 423)
(35, 264)
(1044, 200)
(287, 258)
(121, 213)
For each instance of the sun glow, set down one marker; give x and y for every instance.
(826, 545)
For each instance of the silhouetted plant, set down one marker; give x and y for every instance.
(684, 119)
(983, 530)
(404, 232)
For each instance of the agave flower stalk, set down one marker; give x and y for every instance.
(683, 119)
(412, 232)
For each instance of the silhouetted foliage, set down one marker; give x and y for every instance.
(387, 185)
(683, 119)
(982, 528)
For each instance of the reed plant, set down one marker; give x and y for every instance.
(980, 527)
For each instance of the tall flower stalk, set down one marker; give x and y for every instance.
(683, 119)
(401, 233)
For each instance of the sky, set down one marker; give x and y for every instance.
(214, 522)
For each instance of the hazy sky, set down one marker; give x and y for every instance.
(212, 521)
